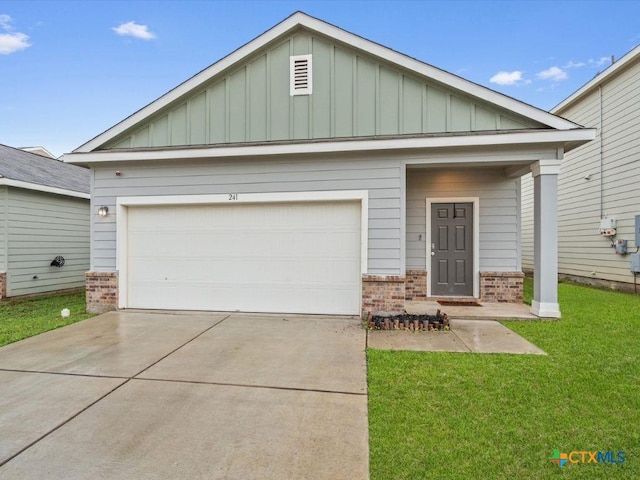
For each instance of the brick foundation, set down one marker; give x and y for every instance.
(415, 286)
(102, 291)
(501, 287)
(382, 293)
(3, 285)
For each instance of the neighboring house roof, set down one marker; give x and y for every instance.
(606, 75)
(301, 20)
(43, 152)
(35, 172)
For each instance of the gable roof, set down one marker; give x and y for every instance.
(602, 77)
(35, 172)
(301, 20)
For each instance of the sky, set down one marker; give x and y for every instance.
(71, 69)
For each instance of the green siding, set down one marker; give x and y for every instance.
(354, 94)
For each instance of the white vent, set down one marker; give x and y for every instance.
(300, 74)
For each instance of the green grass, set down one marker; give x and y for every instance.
(26, 317)
(460, 416)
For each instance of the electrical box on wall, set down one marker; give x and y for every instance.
(620, 246)
(608, 227)
(635, 263)
(637, 231)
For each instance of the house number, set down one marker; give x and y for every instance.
(233, 196)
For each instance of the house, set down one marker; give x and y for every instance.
(44, 224)
(315, 171)
(43, 152)
(597, 181)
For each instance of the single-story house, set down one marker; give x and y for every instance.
(44, 224)
(597, 181)
(315, 171)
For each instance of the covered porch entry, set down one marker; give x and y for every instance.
(462, 232)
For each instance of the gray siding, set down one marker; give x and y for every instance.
(381, 177)
(581, 250)
(354, 94)
(526, 191)
(41, 226)
(3, 229)
(498, 196)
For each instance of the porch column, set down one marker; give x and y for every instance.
(545, 239)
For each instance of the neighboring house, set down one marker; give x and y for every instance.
(314, 171)
(598, 180)
(44, 214)
(43, 152)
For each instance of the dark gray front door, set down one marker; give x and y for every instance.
(452, 249)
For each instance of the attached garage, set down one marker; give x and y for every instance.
(293, 257)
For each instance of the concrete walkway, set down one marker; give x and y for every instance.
(480, 336)
(146, 395)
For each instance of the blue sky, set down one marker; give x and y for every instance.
(70, 70)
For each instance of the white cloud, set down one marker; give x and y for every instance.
(132, 29)
(5, 22)
(572, 64)
(11, 41)
(600, 62)
(507, 78)
(554, 73)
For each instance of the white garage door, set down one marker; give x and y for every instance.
(288, 258)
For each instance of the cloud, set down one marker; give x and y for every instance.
(11, 41)
(507, 78)
(600, 62)
(554, 73)
(572, 64)
(132, 29)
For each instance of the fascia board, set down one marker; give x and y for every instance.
(559, 137)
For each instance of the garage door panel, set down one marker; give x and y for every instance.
(298, 258)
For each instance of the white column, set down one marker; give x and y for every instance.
(545, 239)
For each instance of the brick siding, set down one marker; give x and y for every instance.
(415, 288)
(501, 287)
(102, 291)
(382, 293)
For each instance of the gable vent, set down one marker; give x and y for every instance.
(300, 74)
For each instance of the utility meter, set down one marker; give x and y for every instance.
(608, 227)
(620, 246)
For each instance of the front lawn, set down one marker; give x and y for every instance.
(26, 317)
(461, 416)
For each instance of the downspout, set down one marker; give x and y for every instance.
(601, 155)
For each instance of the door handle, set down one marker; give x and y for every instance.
(433, 253)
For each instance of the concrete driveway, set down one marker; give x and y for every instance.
(160, 395)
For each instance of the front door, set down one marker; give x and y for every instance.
(452, 249)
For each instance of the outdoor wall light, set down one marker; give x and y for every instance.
(103, 211)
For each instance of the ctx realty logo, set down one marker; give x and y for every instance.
(609, 456)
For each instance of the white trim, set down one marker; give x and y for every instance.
(545, 167)
(122, 204)
(300, 19)
(42, 188)
(545, 310)
(599, 79)
(476, 239)
(308, 90)
(517, 138)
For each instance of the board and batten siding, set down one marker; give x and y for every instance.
(382, 178)
(581, 250)
(41, 226)
(499, 213)
(354, 95)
